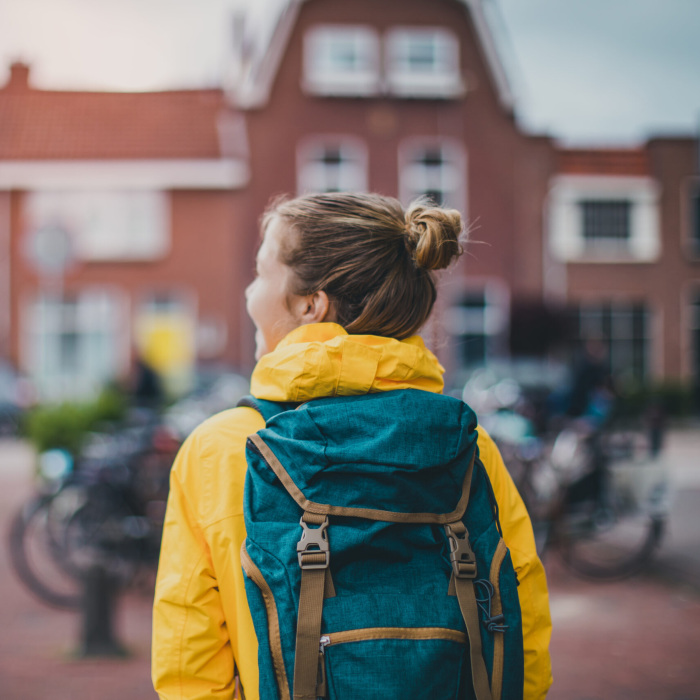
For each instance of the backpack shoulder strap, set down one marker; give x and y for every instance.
(463, 574)
(267, 409)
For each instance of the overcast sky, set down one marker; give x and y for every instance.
(584, 70)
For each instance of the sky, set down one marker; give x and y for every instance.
(585, 71)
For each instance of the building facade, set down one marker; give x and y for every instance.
(159, 197)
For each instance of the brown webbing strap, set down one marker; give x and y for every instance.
(463, 572)
(314, 564)
(470, 613)
(328, 587)
(497, 609)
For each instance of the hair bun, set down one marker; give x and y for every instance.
(432, 235)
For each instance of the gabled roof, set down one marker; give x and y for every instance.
(45, 125)
(604, 161)
(253, 81)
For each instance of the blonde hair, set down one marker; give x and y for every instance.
(373, 259)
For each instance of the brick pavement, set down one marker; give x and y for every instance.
(630, 640)
(638, 639)
(37, 644)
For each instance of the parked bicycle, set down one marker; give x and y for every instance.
(107, 509)
(596, 492)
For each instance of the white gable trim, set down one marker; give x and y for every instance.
(203, 174)
(255, 86)
(254, 89)
(493, 60)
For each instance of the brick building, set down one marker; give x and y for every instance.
(404, 98)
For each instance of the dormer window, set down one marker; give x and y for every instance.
(341, 60)
(604, 219)
(423, 62)
(331, 164)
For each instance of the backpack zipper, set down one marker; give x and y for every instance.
(372, 633)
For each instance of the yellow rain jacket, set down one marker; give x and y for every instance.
(201, 621)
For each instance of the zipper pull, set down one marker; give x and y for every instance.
(321, 690)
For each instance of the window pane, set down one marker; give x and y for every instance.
(695, 337)
(332, 166)
(695, 222)
(342, 55)
(606, 220)
(467, 323)
(435, 172)
(473, 349)
(421, 54)
(624, 331)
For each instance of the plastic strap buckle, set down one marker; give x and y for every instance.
(313, 537)
(461, 554)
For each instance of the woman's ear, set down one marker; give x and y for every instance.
(315, 308)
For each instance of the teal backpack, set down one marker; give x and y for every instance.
(374, 564)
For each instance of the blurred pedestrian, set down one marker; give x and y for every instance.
(148, 387)
(655, 418)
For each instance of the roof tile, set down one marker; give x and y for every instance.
(604, 161)
(38, 124)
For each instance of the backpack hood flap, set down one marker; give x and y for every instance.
(368, 459)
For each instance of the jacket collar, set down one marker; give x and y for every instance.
(322, 359)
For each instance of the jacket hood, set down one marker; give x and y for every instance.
(323, 360)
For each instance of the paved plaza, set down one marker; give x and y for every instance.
(636, 640)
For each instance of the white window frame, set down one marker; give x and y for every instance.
(445, 81)
(453, 179)
(492, 323)
(310, 170)
(319, 79)
(690, 242)
(565, 221)
(105, 225)
(97, 311)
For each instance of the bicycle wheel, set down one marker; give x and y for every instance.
(37, 558)
(607, 536)
(612, 517)
(104, 531)
(609, 551)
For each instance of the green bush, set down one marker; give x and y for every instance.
(66, 425)
(110, 405)
(674, 398)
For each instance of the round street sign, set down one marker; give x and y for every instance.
(50, 249)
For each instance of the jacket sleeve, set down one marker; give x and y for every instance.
(532, 591)
(191, 652)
